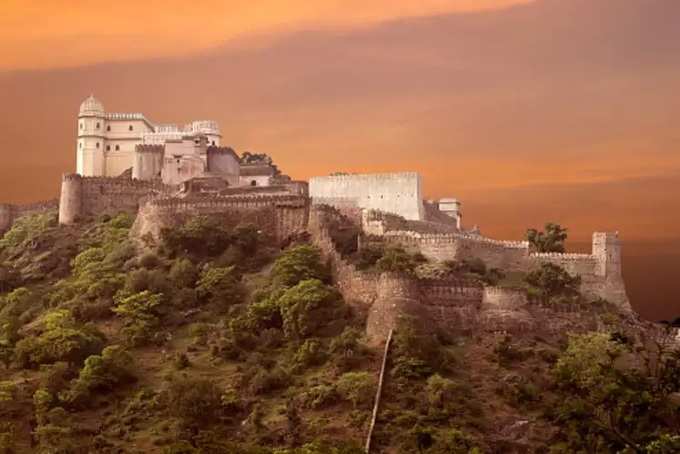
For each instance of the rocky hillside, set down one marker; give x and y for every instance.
(217, 340)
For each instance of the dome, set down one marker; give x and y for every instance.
(91, 106)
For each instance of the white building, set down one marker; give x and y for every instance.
(107, 141)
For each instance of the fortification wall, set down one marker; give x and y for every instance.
(281, 216)
(9, 213)
(397, 193)
(93, 196)
(356, 286)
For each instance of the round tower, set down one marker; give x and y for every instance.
(91, 138)
(71, 200)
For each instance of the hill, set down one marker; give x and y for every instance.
(218, 339)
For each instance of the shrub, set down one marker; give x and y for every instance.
(26, 228)
(397, 260)
(319, 396)
(551, 281)
(141, 313)
(200, 236)
(100, 373)
(310, 353)
(195, 401)
(220, 285)
(357, 388)
(308, 307)
(265, 381)
(183, 273)
(368, 256)
(298, 264)
(62, 340)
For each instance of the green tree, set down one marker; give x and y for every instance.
(220, 285)
(552, 281)
(141, 313)
(297, 264)
(357, 387)
(552, 240)
(308, 307)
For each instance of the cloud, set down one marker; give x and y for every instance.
(65, 33)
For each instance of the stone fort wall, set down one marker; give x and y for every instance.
(600, 271)
(93, 196)
(282, 216)
(398, 193)
(10, 213)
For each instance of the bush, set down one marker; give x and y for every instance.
(308, 307)
(357, 388)
(141, 313)
(298, 264)
(551, 282)
(319, 396)
(100, 373)
(195, 401)
(265, 381)
(310, 353)
(62, 340)
(220, 286)
(183, 273)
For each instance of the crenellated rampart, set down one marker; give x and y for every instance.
(281, 216)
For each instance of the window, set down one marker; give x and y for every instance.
(117, 147)
(130, 128)
(108, 148)
(97, 145)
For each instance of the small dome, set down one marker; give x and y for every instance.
(92, 106)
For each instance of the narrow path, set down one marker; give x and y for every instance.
(378, 393)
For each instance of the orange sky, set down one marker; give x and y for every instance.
(528, 111)
(56, 33)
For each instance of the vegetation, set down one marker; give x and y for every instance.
(551, 240)
(216, 340)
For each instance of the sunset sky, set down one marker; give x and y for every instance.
(527, 111)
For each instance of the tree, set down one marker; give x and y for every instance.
(141, 313)
(608, 405)
(552, 240)
(551, 281)
(220, 285)
(297, 264)
(308, 307)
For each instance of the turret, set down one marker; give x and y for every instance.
(607, 250)
(71, 200)
(91, 138)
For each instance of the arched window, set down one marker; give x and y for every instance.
(253, 183)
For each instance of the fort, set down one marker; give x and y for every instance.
(164, 175)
